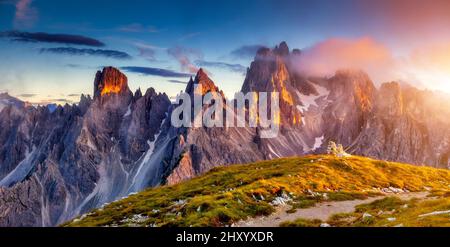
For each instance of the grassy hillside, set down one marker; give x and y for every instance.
(433, 211)
(392, 211)
(228, 194)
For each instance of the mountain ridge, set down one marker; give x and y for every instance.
(77, 157)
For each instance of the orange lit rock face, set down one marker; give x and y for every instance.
(202, 79)
(270, 73)
(282, 76)
(110, 81)
(109, 89)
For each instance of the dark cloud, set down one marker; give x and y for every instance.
(155, 71)
(178, 81)
(80, 66)
(61, 100)
(76, 66)
(90, 52)
(246, 51)
(72, 65)
(74, 95)
(51, 38)
(26, 95)
(231, 67)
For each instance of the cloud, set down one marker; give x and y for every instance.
(74, 95)
(27, 95)
(184, 55)
(408, 21)
(227, 66)
(81, 66)
(90, 52)
(61, 100)
(246, 51)
(51, 38)
(432, 56)
(25, 15)
(56, 101)
(74, 66)
(189, 35)
(426, 66)
(178, 81)
(146, 51)
(324, 58)
(155, 71)
(137, 28)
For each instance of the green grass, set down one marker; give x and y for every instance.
(392, 211)
(307, 201)
(302, 223)
(228, 194)
(385, 204)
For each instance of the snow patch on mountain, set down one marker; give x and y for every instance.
(311, 100)
(147, 162)
(128, 113)
(21, 170)
(318, 142)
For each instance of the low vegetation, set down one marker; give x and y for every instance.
(391, 211)
(433, 211)
(302, 223)
(226, 195)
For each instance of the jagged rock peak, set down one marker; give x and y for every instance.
(6, 99)
(84, 97)
(150, 92)
(354, 82)
(282, 49)
(263, 51)
(110, 81)
(138, 93)
(202, 79)
(84, 103)
(269, 71)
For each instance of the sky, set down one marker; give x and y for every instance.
(50, 50)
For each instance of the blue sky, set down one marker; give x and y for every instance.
(180, 36)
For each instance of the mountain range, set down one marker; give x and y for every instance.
(58, 163)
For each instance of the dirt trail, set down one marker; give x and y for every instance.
(320, 211)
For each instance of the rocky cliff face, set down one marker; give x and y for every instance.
(56, 164)
(387, 123)
(406, 126)
(187, 152)
(109, 82)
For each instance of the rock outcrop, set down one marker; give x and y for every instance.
(110, 81)
(61, 161)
